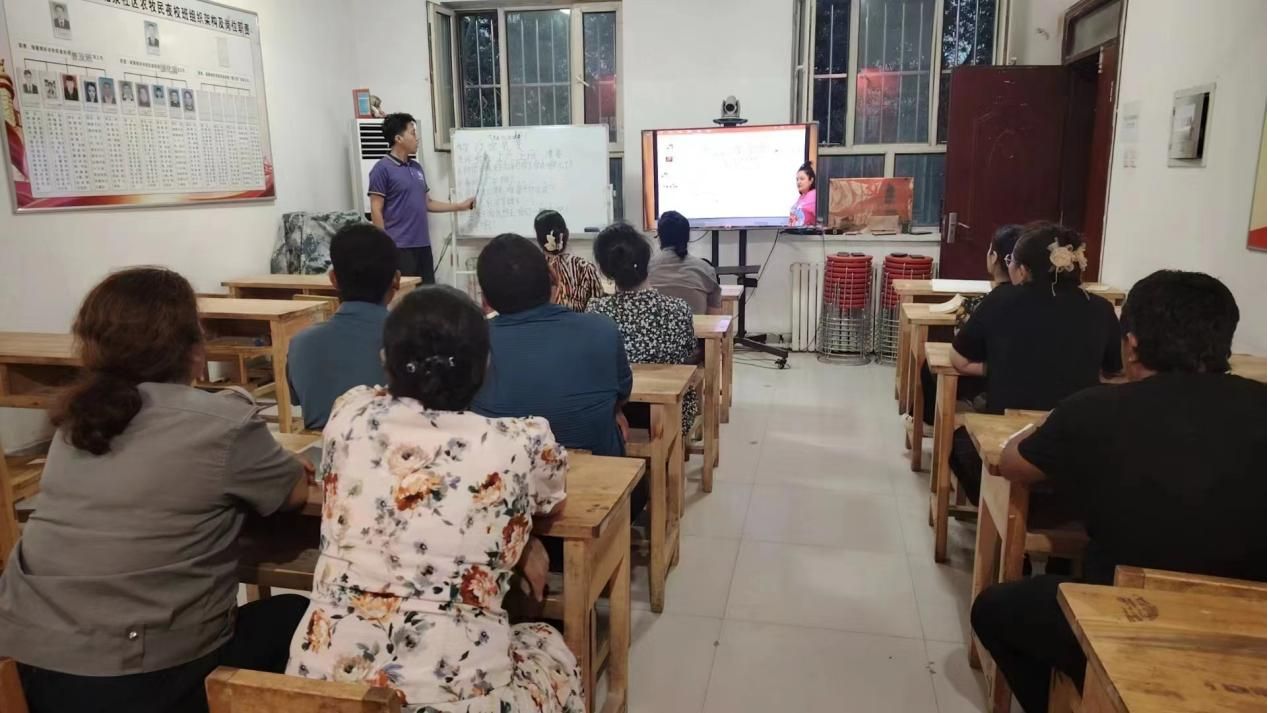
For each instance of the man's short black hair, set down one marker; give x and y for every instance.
(365, 261)
(1183, 321)
(394, 125)
(513, 274)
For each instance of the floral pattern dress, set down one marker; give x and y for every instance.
(425, 515)
(657, 329)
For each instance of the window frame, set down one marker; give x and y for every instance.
(802, 94)
(576, 61)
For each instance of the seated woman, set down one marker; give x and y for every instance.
(969, 388)
(122, 593)
(676, 273)
(656, 328)
(574, 280)
(428, 508)
(1038, 340)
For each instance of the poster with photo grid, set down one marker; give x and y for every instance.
(133, 103)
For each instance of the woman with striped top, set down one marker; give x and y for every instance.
(574, 280)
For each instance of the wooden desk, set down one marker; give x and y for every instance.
(1151, 651)
(938, 357)
(34, 367)
(1003, 508)
(234, 326)
(1250, 367)
(595, 527)
(919, 319)
(909, 291)
(713, 329)
(663, 387)
(284, 287)
(297, 442)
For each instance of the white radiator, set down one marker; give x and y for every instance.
(806, 288)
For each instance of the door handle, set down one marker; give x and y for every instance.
(952, 222)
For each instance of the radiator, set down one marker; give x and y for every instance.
(806, 287)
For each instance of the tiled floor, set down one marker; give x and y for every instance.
(807, 580)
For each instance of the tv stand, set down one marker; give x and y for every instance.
(742, 272)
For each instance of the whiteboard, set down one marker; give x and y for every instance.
(134, 103)
(514, 173)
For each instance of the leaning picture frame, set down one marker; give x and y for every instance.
(361, 103)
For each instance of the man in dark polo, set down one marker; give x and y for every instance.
(399, 201)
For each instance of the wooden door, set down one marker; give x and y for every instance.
(1004, 143)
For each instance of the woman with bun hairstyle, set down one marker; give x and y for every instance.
(428, 513)
(675, 272)
(803, 212)
(656, 328)
(574, 280)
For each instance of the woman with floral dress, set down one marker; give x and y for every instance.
(428, 509)
(657, 328)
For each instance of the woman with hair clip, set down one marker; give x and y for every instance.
(428, 511)
(574, 280)
(803, 212)
(122, 593)
(1038, 340)
(656, 328)
(971, 388)
(675, 272)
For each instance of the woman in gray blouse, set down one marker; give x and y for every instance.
(122, 592)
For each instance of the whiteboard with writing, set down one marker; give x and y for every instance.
(516, 172)
(134, 103)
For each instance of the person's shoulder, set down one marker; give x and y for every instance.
(355, 398)
(230, 406)
(601, 305)
(675, 306)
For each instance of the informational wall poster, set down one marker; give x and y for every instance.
(133, 103)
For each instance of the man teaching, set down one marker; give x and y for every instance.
(399, 201)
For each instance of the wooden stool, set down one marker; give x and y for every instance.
(232, 690)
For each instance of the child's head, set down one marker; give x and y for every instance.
(1000, 253)
(1179, 321)
(623, 253)
(436, 348)
(552, 231)
(674, 231)
(1050, 253)
(363, 264)
(139, 325)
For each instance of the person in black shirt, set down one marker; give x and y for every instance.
(1168, 470)
(1036, 341)
(998, 256)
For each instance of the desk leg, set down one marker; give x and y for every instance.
(281, 333)
(1096, 693)
(712, 370)
(577, 624)
(658, 503)
(675, 483)
(917, 398)
(900, 365)
(984, 552)
(943, 433)
(619, 626)
(728, 371)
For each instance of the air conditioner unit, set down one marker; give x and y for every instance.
(368, 146)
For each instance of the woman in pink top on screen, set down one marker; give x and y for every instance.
(803, 211)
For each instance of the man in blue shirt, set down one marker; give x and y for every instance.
(399, 200)
(546, 360)
(327, 359)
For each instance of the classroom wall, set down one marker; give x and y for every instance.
(1191, 218)
(1035, 31)
(50, 260)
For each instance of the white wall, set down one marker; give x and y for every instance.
(1191, 218)
(49, 261)
(1035, 31)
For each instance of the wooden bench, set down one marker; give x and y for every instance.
(920, 319)
(233, 690)
(12, 699)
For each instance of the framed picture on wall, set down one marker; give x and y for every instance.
(361, 103)
(1255, 237)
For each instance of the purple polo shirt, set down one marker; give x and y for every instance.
(404, 191)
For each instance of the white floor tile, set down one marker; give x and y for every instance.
(761, 668)
(811, 516)
(670, 659)
(943, 594)
(794, 459)
(824, 587)
(958, 687)
(717, 514)
(701, 582)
